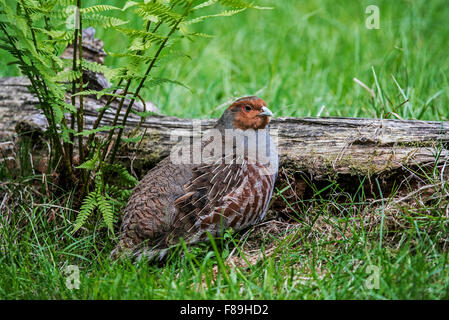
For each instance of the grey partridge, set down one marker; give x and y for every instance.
(231, 189)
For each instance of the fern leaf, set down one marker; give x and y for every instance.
(99, 94)
(150, 10)
(57, 35)
(226, 13)
(123, 174)
(106, 211)
(67, 76)
(88, 206)
(89, 92)
(205, 4)
(132, 57)
(104, 128)
(148, 36)
(69, 107)
(129, 4)
(98, 8)
(100, 68)
(65, 133)
(94, 19)
(241, 4)
(133, 139)
(90, 164)
(200, 34)
(57, 112)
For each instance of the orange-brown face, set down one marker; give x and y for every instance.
(250, 113)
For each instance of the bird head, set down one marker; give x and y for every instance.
(246, 113)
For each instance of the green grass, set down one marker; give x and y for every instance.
(324, 256)
(299, 57)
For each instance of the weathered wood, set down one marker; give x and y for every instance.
(321, 148)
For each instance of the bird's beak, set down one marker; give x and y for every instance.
(266, 112)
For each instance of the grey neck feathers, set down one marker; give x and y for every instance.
(226, 121)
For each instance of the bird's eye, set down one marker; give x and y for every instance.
(248, 108)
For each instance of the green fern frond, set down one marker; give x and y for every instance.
(139, 44)
(106, 211)
(148, 36)
(89, 92)
(57, 35)
(67, 76)
(150, 10)
(133, 57)
(100, 129)
(65, 133)
(182, 3)
(59, 62)
(62, 13)
(90, 164)
(226, 13)
(141, 40)
(65, 3)
(199, 34)
(94, 19)
(126, 193)
(99, 94)
(241, 4)
(69, 107)
(88, 206)
(37, 12)
(98, 180)
(108, 72)
(58, 113)
(123, 174)
(204, 4)
(120, 195)
(98, 8)
(133, 139)
(129, 4)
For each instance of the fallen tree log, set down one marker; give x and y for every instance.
(314, 149)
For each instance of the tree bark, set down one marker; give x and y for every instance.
(315, 149)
